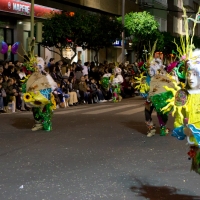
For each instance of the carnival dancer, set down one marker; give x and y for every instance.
(184, 104)
(154, 68)
(37, 93)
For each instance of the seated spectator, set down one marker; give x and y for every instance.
(17, 94)
(10, 94)
(68, 89)
(5, 83)
(58, 93)
(84, 90)
(1, 70)
(2, 95)
(95, 91)
(87, 80)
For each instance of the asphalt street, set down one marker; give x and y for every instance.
(94, 152)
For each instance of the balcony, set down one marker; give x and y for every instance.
(150, 3)
(162, 2)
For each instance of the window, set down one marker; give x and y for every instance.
(178, 25)
(178, 3)
(163, 25)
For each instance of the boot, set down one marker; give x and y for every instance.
(38, 126)
(5, 108)
(151, 129)
(164, 131)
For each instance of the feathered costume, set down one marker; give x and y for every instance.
(185, 101)
(37, 93)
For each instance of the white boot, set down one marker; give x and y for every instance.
(38, 126)
(151, 132)
(13, 106)
(151, 129)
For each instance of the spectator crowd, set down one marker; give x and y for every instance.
(78, 83)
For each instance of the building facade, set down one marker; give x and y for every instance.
(157, 8)
(15, 24)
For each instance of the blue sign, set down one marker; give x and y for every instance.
(117, 43)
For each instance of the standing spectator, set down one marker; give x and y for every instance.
(13, 73)
(85, 68)
(79, 64)
(59, 69)
(51, 62)
(5, 68)
(17, 65)
(78, 74)
(53, 74)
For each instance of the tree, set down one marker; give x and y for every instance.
(65, 29)
(144, 29)
(104, 31)
(169, 45)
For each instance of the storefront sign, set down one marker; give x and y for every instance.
(117, 43)
(24, 8)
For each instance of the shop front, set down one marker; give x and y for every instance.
(15, 26)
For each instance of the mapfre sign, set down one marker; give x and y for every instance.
(24, 8)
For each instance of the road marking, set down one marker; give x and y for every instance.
(81, 109)
(109, 109)
(132, 111)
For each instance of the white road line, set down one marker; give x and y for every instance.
(109, 109)
(81, 109)
(132, 111)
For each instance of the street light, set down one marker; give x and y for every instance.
(32, 19)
